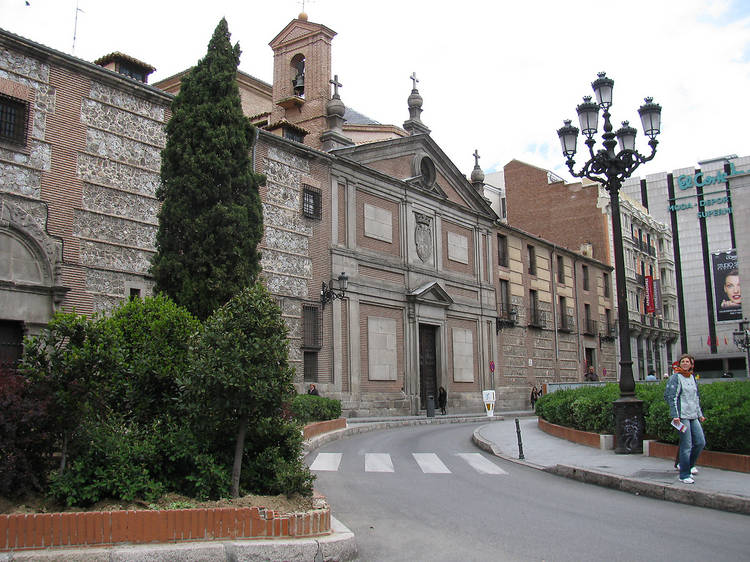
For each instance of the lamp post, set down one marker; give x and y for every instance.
(742, 340)
(610, 167)
(328, 293)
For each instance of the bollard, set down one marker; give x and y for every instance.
(520, 444)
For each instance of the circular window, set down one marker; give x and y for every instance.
(427, 170)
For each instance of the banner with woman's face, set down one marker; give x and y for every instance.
(727, 289)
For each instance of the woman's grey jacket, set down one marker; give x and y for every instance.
(683, 397)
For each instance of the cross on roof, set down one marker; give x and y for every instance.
(336, 85)
(476, 158)
(414, 79)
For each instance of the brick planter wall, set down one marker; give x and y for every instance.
(313, 429)
(107, 528)
(574, 435)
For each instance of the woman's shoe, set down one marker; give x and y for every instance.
(688, 480)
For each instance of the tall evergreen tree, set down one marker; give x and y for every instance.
(211, 219)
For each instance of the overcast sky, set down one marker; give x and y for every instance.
(496, 76)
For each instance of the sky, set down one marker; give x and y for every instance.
(497, 77)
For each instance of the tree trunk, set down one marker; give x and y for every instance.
(64, 455)
(239, 448)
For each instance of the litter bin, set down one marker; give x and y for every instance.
(430, 406)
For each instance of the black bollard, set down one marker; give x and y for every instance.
(520, 444)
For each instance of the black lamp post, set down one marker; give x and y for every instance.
(610, 168)
(328, 293)
(742, 340)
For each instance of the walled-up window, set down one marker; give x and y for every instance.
(560, 269)
(585, 275)
(605, 282)
(504, 297)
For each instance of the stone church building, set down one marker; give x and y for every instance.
(392, 270)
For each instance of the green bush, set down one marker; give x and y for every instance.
(307, 408)
(726, 406)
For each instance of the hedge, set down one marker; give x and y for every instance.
(726, 406)
(308, 408)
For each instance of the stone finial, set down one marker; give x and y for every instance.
(334, 136)
(414, 125)
(477, 175)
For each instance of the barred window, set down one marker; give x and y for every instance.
(311, 320)
(311, 203)
(311, 366)
(13, 119)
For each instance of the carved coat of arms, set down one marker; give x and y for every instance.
(423, 236)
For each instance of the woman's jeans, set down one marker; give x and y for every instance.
(692, 442)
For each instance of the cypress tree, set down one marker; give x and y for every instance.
(211, 219)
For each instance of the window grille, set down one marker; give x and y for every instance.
(13, 115)
(311, 203)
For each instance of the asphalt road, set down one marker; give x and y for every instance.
(427, 493)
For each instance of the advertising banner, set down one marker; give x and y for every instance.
(650, 306)
(727, 290)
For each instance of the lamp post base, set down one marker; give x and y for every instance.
(628, 425)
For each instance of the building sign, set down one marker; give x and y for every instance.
(700, 179)
(727, 286)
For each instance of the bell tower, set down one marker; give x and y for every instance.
(301, 80)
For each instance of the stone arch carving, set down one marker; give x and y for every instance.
(31, 265)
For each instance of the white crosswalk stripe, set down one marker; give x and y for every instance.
(327, 462)
(378, 462)
(481, 464)
(430, 463)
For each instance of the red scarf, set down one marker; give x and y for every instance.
(682, 371)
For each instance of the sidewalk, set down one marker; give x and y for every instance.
(650, 476)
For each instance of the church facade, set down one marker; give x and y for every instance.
(392, 271)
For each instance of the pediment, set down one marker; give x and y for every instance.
(409, 159)
(431, 293)
(299, 29)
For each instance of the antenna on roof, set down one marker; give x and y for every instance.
(75, 27)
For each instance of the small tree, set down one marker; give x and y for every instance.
(211, 219)
(239, 371)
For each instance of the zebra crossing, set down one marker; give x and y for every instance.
(428, 463)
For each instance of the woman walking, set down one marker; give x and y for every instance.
(683, 398)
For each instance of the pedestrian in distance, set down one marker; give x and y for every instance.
(534, 396)
(591, 375)
(651, 376)
(312, 390)
(683, 397)
(442, 399)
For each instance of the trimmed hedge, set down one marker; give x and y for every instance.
(726, 406)
(307, 408)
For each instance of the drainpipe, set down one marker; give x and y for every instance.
(556, 336)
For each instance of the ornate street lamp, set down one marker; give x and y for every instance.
(610, 167)
(328, 293)
(742, 340)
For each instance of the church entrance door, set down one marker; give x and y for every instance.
(427, 364)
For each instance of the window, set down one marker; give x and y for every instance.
(585, 277)
(503, 208)
(532, 259)
(605, 282)
(504, 298)
(610, 329)
(311, 318)
(502, 250)
(293, 134)
(535, 315)
(590, 323)
(311, 203)
(560, 269)
(135, 293)
(13, 119)
(566, 321)
(311, 366)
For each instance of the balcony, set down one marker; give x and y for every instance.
(589, 327)
(609, 332)
(537, 318)
(507, 317)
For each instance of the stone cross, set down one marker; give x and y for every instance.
(413, 78)
(336, 85)
(476, 158)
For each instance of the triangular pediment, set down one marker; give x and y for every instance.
(297, 30)
(431, 293)
(401, 158)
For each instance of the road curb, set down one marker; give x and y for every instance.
(683, 494)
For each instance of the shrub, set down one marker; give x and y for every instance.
(307, 408)
(726, 406)
(25, 436)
